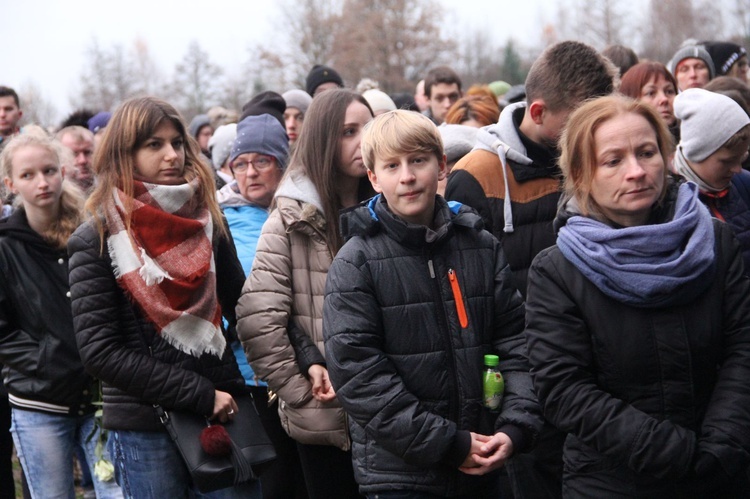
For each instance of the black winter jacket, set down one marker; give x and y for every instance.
(533, 184)
(655, 401)
(138, 368)
(43, 371)
(406, 371)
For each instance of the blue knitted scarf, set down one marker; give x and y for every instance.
(648, 265)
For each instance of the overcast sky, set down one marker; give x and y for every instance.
(44, 41)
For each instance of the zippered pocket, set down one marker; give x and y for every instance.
(463, 319)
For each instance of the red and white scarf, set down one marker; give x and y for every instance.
(165, 263)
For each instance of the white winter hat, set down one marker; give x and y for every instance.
(379, 100)
(220, 144)
(708, 121)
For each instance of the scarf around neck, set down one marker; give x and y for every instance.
(647, 266)
(684, 169)
(165, 263)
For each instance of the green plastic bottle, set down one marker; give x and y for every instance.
(494, 384)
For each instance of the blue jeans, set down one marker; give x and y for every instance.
(148, 465)
(45, 445)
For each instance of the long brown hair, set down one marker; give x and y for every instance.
(317, 153)
(70, 213)
(132, 124)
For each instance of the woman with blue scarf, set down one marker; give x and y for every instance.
(638, 320)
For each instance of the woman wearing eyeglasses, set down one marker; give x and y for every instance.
(257, 159)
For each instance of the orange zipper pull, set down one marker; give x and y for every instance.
(462, 317)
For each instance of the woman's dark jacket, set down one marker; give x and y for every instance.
(405, 370)
(655, 401)
(43, 371)
(139, 368)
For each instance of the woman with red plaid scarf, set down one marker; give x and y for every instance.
(152, 273)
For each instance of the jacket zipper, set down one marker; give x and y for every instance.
(443, 319)
(445, 327)
(462, 317)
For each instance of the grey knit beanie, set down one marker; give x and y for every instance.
(262, 135)
(707, 121)
(298, 99)
(197, 123)
(220, 144)
(694, 52)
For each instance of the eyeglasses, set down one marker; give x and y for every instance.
(261, 164)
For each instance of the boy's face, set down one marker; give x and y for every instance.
(718, 169)
(409, 183)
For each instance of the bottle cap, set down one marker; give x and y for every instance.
(491, 360)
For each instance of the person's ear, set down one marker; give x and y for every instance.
(536, 111)
(9, 185)
(443, 168)
(374, 181)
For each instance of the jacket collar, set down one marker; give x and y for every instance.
(373, 216)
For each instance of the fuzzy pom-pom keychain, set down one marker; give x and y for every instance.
(215, 440)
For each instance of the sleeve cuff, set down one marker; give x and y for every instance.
(516, 435)
(459, 449)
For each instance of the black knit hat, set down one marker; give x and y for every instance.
(320, 74)
(266, 103)
(724, 55)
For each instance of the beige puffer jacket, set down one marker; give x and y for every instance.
(287, 283)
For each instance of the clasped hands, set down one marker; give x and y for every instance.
(487, 453)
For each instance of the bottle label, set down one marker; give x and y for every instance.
(494, 385)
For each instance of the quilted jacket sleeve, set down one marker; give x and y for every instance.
(108, 351)
(725, 433)
(305, 349)
(263, 313)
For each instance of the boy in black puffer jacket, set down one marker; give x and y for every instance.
(414, 300)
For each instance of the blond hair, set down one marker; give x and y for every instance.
(77, 132)
(399, 132)
(578, 147)
(70, 212)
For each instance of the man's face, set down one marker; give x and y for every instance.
(10, 114)
(204, 135)
(83, 151)
(552, 126)
(442, 97)
(692, 73)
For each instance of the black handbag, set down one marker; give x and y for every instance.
(250, 446)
